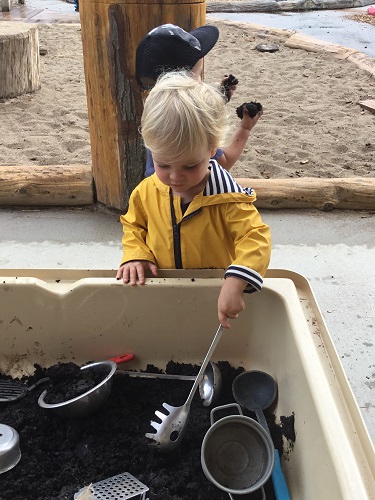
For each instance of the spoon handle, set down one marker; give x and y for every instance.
(262, 420)
(278, 480)
(38, 382)
(166, 376)
(202, 369)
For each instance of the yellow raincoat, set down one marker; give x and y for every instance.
(221, 228)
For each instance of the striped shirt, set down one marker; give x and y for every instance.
(220, 181)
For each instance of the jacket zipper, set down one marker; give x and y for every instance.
(176, 229)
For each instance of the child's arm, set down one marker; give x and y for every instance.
(137, 257)
(232, 152)
(252, 247)
(231, 302)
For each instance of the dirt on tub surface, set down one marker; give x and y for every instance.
(60, 456)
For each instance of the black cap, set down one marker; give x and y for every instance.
(168, 47)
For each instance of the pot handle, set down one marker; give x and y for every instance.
(237, 497)
(224, 407)
(122, 358)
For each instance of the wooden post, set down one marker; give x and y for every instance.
(111, 31)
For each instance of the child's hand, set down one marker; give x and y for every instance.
(231, 302)
(228, 85)
(135, 269)
(248, 122)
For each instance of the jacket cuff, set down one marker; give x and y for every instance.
(253, 279)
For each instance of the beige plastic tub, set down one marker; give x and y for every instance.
(62, 315)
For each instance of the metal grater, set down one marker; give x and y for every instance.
(120, 487)
(11, 390)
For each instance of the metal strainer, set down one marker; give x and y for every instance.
(121, 487)
(237, 453)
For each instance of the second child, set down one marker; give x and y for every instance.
(169, 48)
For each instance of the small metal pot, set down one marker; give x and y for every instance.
(10, 452)
(237, 453)
(86, 403)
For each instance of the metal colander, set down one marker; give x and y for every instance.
(120, 487)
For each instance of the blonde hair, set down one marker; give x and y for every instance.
(181, 115)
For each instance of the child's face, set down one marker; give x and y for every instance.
(186, 177)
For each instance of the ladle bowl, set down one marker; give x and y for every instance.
(254, 390)
(210, 385)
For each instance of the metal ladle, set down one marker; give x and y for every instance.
(256, 391)
(209, 386)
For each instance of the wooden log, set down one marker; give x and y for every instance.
(56, 185)
(308, 192)
(363, 61)
(254, 6)
(72, 185)
(19, 58)
(312, 44)
(281, 5)
(111, 31)
(369, 104)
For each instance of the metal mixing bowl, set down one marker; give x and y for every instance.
(10, 453)
(88, 402)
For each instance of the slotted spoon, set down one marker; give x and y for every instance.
(171, 427)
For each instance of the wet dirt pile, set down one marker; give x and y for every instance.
(60, 456)
(68, 381)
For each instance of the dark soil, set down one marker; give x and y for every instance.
(60, 456)
(252, 108)
(68, 381)
(228, 82)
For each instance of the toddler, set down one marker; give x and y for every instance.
(191, 213)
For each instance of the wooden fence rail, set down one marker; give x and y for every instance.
(73, 185)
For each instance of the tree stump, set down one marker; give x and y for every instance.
(19, 59)
(5, 5)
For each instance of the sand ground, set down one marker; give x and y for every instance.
(312, 123)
